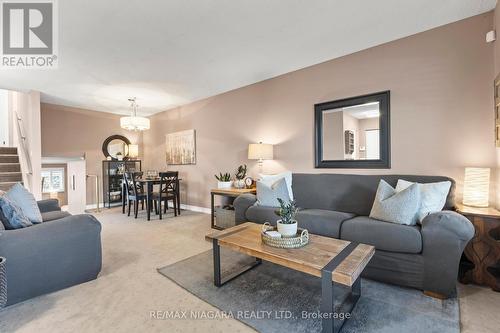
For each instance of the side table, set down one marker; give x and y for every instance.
(226, 192)
(484, 248)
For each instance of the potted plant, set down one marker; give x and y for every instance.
(287, 225)
(240, 176)
(223, 180)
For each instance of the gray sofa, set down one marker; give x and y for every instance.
(63, 251)
(425, 257)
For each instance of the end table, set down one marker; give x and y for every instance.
(484, 248)
(226, 192)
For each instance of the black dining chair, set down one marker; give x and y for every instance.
(168, 191)
(135, 191)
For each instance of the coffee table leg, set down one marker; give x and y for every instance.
(217, 275)
(218, 281)
(332, 320)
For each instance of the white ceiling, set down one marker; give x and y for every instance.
(169, 53)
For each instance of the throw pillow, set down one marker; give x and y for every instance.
(432, 196)
(271, 179)
(12, 216)
(268, 195)
(396, 207)
(26, 201)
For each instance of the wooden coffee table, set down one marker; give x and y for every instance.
(335, 261)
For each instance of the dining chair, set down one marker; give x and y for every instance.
(168, 191)
(135, 191)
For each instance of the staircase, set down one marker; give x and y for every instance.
(10, 169)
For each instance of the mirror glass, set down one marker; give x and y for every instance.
(351, 133)
(117, 147)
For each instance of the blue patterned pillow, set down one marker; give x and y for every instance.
(23, 199)
(12, 216)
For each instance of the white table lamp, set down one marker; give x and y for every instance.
(260, 151)
(477, 187)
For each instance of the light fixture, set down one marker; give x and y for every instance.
(133, 151)
(134, 123)
(260, 151)
(476, 187)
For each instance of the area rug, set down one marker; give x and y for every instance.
(271, 298)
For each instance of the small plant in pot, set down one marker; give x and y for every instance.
(223, 180)
(287, 225)
(240, 176)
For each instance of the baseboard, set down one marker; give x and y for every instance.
(94, 206)
(183, 206)
(196, 209)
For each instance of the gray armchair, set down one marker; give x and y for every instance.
(444, 237)
(52, 255)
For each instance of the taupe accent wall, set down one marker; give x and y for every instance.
(441, 110)
(73, 132)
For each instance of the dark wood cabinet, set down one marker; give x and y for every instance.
(112, 178)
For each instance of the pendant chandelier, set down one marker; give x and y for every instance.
(134, 123)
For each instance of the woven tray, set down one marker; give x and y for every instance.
(301, 239)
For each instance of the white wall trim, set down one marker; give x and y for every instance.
(203, 210)
(196, 209)
(94, 206)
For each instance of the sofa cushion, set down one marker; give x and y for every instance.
(316, 221)
(26, 201)
(384, 236)
(12, 216)
(261, 214)
(351, 193)
(322, 222)
(55, 215)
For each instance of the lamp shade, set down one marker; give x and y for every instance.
(476, 187)
(134, 123)
(260, 151)
(133, 151)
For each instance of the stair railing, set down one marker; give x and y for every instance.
(23, 143)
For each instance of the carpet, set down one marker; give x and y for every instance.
(271, 298)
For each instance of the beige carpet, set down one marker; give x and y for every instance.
(129, 287)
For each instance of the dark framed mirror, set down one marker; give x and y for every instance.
(114, 146)
(353, 132)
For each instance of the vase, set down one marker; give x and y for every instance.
(239, 183)
(287, 229)
(223, 185)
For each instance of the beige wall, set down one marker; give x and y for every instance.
(72, 132)
(26, 106)
(496, 54)
(333, 135)
(441, 110)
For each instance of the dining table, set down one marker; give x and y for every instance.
(149, 185)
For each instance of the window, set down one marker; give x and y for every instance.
(53, 180)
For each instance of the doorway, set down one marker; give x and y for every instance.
(372, 141)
